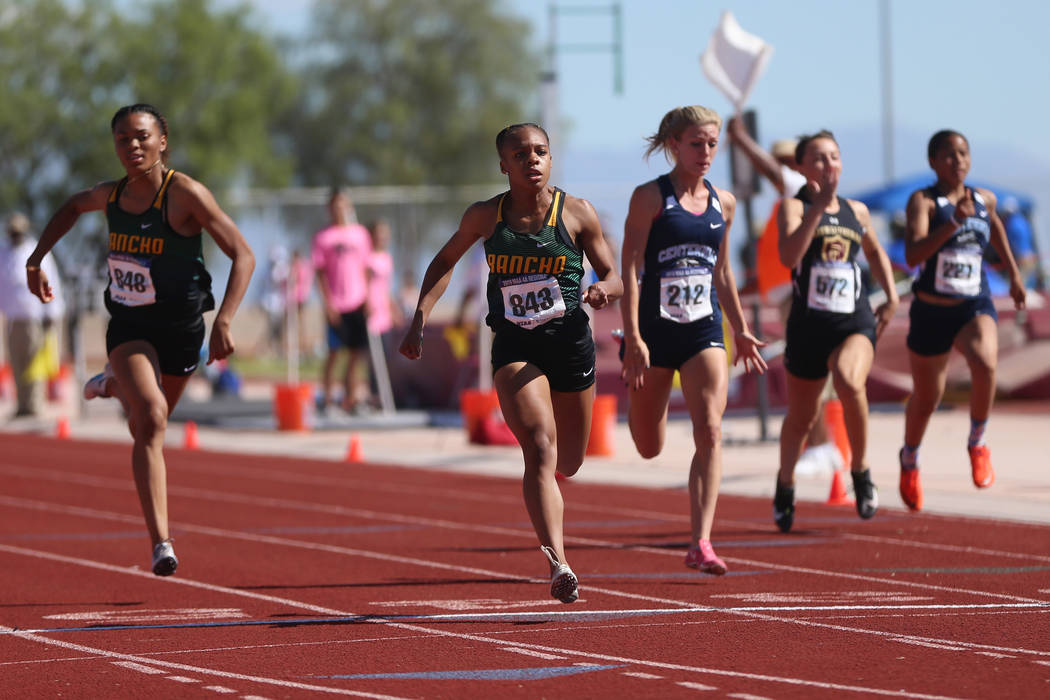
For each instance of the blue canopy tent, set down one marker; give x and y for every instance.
(893, 197)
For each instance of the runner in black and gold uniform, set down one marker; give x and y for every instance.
(949, 227)
(831, 327)
(158, 289)
(542, 355)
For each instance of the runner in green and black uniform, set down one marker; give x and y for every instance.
(157, 292)
(542, 355)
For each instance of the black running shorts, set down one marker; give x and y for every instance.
(566, 356)
(178, 346)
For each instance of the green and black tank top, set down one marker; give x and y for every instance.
(534, 279)
(156, 276)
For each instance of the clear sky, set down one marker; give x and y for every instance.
(977, 67)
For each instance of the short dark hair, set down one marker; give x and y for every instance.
(505, 133)
(143, 108)
(941, 138)
(806, 139)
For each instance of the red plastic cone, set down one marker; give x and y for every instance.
(62, 431)
(838, 495)
(191, 441)
(353, 453)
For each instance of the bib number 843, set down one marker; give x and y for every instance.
(532, 301)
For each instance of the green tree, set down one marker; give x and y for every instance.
(410, 92)
(66, 67)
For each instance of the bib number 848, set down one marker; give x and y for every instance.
(129, 280)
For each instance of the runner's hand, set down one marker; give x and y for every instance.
(748, 350)
(965, 207)
(596, 296)
(39, 285)
(412, 344)
(220, 345)
(635, 362)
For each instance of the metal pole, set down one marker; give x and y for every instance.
(886, 51)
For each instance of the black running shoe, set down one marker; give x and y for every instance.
(784, 506)
(866, 494)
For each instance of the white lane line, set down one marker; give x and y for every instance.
(220, 689)
(458, 635)
(138, 667)
(537, 654)
(746, 696)
(696, 686)
(641, 674)
(105, 653)
(181, 679)
(907, 639)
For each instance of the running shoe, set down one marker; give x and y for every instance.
(866, 494)
(784, 506)
(95, 388)
(911, 486)
(164, 560)
(703, 558)
(564, 585)
(981, 466)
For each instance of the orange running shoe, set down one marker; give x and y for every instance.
(981, 466)
(911, 487)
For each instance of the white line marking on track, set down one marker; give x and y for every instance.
(181, 679)
(105, 653)
(439, 633)
(746, 696)
(220, 689)
(696, 686)
(641, 674)
(537, 654)
(141, 668)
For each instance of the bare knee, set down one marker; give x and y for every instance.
(149, 422)
(707, 435)
(539, 450)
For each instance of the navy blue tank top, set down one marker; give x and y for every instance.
(680, 256)
(955, 270)
(827, 282)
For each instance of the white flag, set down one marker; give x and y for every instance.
(734, 60)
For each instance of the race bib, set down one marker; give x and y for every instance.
(958, 272)
(130, 281)
(685, 294)
(833, 287)
(532, 300)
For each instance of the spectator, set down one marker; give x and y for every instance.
(28, 321)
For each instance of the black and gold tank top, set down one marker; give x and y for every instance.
(156, 276)
(534, 279)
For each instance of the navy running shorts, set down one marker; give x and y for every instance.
(178, 346)
(565, 356)
(672, 344)
(933, 327)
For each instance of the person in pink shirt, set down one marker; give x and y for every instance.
(381, 308)
(341, 254)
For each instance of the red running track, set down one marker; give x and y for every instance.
(304, 578)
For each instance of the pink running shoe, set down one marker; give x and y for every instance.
(703, 558)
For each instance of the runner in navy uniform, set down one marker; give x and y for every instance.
(676, 243)
(831, 326)
(949, 227)
(158, 289)
(535, 237)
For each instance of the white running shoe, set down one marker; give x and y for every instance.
(164, 560)
(95, 388)
(564, 585)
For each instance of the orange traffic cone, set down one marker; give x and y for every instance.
(838, 495)
(191, 441)
(62, 431)
(603, 426)
(353, 453)
(836, 426)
